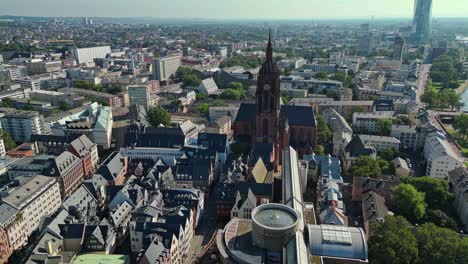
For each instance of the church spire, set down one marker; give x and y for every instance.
(269, 51)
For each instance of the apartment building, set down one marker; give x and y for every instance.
(20, 125)
(440, 156)
(346, 108)
(41, 67)
(166, 67)
(380, 143)
(24, 207)
(140, 94)
(216, 112)
(368, 122)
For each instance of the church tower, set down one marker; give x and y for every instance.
(267, 122)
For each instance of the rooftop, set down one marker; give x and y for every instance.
(101, 259)
(28, 191)
(274, 216)
(366, 138)
(337, 242)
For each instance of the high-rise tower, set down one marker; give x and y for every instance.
(422, 25)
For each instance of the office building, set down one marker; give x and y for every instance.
(12, 72)
(87, 55)
(166, 67)
(20, 125)
(422, 24)
(41, 67)
(140, 95)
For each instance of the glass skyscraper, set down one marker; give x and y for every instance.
(422, 20)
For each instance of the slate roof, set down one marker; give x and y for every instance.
(296, 115)
(72, 230)
(154, 252)
(63, 162)
(7, 212)
(212, 141)
(227, 191)
(157, 140)
(176, 197)
(246, 112)
(373, 206)
(357, 148)
(112, 166)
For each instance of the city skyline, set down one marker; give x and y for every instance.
(242, 9)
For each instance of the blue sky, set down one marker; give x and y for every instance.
(230, 9)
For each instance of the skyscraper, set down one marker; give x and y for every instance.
(398, 48)
(422, 20)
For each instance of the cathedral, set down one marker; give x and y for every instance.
(268, 126)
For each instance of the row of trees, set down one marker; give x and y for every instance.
(324, 131)
(397, 241)
(366, 166)
(109, 88)
(239, 60)
(441, 99)
(448, 69)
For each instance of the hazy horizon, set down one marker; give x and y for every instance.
(232, 10)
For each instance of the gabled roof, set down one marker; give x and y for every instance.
(296, 115)
(213, 141)
(112, 166)
(259, 171)
(357, 148)
(246, 112)
(333, 216)
(155, 251)
(373, 206)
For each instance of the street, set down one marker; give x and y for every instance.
(422, 81)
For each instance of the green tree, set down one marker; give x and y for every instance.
(319, 150)
(440, 245)
(321, 75)
(441, 219)
(436, 191)
(408, 202)
(192, 80)
(188, 76)
(8, 102)
(392, 242)
(159, 116)
(324, 131)
(403, 120)
(7, 140)
(385, 126)
(64, 106)
(235, 86)
(115, 89)
(389, 154)
(339, 76)
(386, 167)
(365, 166)
(231, 94)
(461, 124)
(203, 109)
(201, 96)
